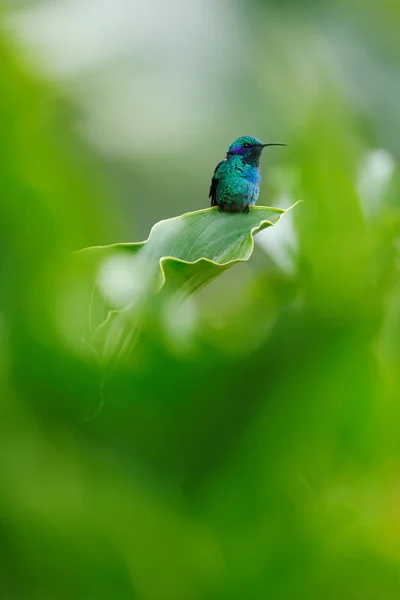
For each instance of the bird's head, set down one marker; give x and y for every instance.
(249, 147)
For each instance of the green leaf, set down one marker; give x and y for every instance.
(180, 256)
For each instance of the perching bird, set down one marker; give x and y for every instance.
(235, 184)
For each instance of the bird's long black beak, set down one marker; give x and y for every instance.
(273, 144)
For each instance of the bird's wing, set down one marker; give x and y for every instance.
(214, 185)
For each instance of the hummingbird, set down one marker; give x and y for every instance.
(235, 184)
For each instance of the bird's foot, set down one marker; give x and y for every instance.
(246, 209)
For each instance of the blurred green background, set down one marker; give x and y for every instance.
(254, 450)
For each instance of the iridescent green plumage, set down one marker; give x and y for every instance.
(235, 185)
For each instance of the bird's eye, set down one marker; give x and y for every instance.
(246, 145)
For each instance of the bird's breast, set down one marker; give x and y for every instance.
(253, 175)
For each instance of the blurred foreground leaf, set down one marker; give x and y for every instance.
(180, 256)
